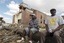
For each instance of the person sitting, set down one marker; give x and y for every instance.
(53, 25)
(32, 28)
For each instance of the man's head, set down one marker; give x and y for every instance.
(33, 16)
(53, 12)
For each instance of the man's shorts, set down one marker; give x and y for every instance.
(32, 29)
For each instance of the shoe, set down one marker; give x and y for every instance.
(30, 41)
(18, 41)
(22, 39)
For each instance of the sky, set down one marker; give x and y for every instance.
(10, 7)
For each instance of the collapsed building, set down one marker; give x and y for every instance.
(23, 16)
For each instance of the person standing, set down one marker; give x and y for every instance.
(1, 23)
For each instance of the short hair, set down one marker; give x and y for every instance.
(53, 9)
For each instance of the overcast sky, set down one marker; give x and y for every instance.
(10, 7)
(46, 5)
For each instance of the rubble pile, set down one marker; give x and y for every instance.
(13, 35)
(9, 36)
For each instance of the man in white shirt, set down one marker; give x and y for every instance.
(53, 25)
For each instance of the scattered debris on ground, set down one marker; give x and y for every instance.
(13, 35)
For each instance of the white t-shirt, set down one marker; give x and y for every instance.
(53, 22)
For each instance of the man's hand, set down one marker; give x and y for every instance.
(53, 31)
(58, 28)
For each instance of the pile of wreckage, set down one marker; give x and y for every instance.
(10, 35)
(13, 35)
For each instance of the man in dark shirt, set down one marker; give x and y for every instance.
(32, 28)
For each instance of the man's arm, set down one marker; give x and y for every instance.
(61, 24)
(46, 27)
(46, 24)
(30, 25)
(58, 28)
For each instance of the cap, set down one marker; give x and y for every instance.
(32, 15)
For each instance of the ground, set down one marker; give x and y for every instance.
(10, 35)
